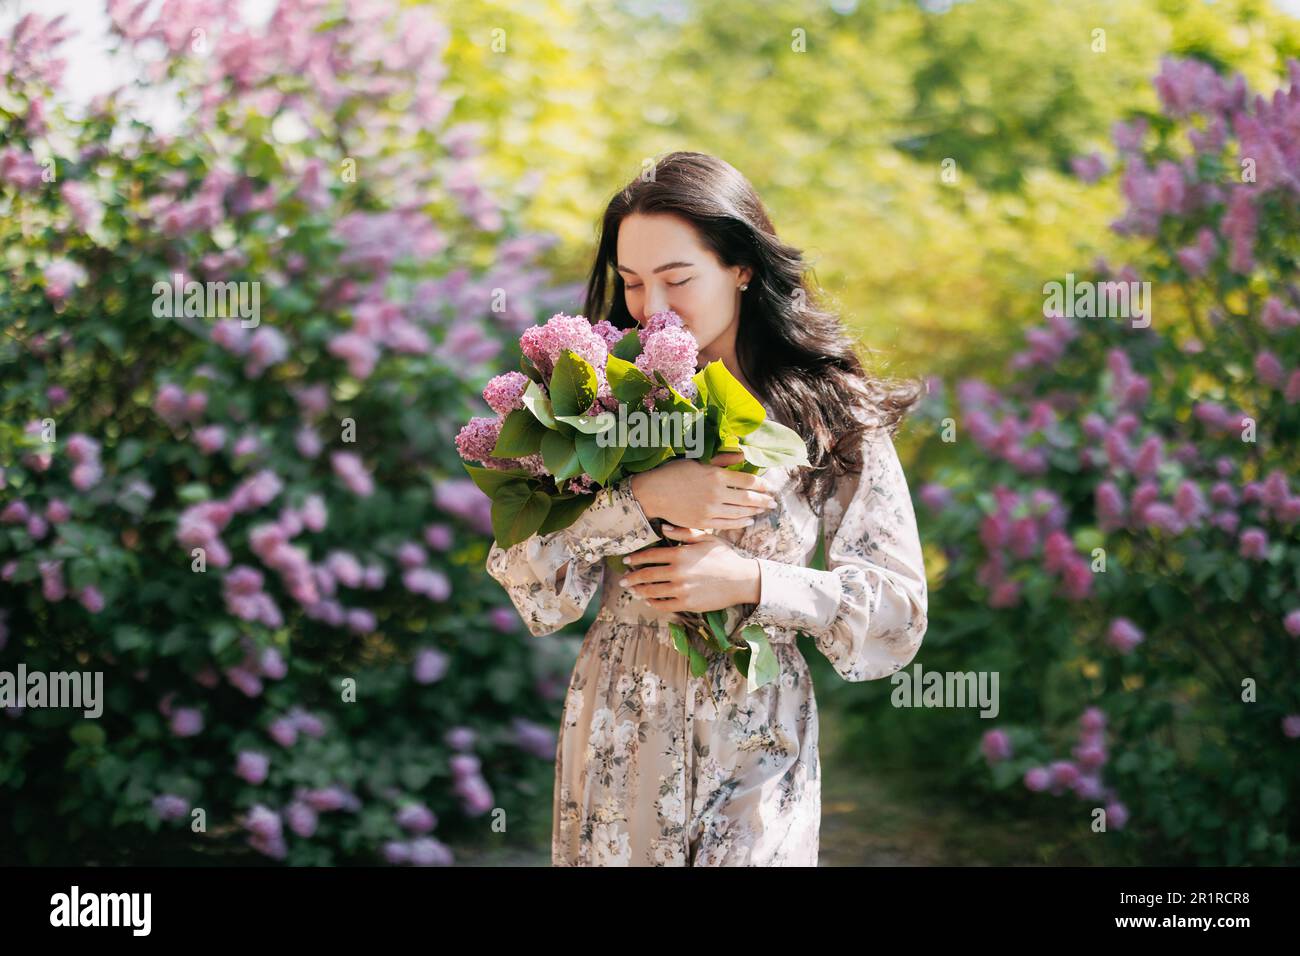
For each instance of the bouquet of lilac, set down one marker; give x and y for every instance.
(593, 404)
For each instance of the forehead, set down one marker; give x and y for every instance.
(647, 241)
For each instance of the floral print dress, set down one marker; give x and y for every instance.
(655, 767)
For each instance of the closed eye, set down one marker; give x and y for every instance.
(683, 282)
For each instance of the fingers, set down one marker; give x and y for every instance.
(684, 534)
(646, 576)
(651, 565)
(744, 481)
(736, 511)
(727, 524)
(651, 556)
(650, 592)
(757, 500)
(727, 458)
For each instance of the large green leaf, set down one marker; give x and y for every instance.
(657, 456)
(535, 401)
(773, 445)
(573, 384)
(712, 417)
(639, 452)
(679, 637)
(491, 480)
(521, 434)
(517, 513)
(717, 621)
(740, 411)
(565, 509)
(590, 425)
(560, 456)
(629, 384)
(699, 664)
(529, 369)
(628, 347)
(676, 401)
(598, 461)
(763, 666)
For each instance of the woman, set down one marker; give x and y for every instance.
(655, 767)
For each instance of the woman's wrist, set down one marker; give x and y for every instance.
(754, 582)
(639, 494)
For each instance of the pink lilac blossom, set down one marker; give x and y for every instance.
(543, 344)
(504, 393)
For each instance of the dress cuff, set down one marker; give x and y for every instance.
(796, 597)
(613, 524)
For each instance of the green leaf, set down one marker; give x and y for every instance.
(712, 438)
(128, 638)
(560, 456)
(535, 401)
(702, 389)
(1088, 539)
(517, 513)
(221, 635)
(628, 347)
(528, 368)
(653, 458)
(521, 435)
(629, 384)
(699, 663)
(194, 493)
(717, 624)
(565, 509)
(773, 445)
(492, 480)
(676, 401)
(763, 665)
(640, 452)
(679, 637)
(87, 734)
(1271, 798)
(598, 461)
(740, 412)
(129, 452)
(82, 572)
(592, 425)
(111, 339)
(573, 384)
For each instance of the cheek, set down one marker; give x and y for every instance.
(711, 311)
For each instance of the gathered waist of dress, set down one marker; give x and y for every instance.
(641, 614)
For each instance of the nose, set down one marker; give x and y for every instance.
(656, 300)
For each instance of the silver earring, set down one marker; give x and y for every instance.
(744, 287)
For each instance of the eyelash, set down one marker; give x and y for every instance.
(632, 288)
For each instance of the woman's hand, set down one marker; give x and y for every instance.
(704, 574)
(694, 495)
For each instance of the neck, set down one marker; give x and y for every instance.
(723, 349)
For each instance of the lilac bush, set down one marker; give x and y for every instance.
(247, 512)
(1114, 525)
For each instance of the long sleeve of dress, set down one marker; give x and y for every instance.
(613, 524)
(867, 612)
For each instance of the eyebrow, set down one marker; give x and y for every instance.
(662, 268)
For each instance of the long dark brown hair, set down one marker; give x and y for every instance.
(793, 351)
